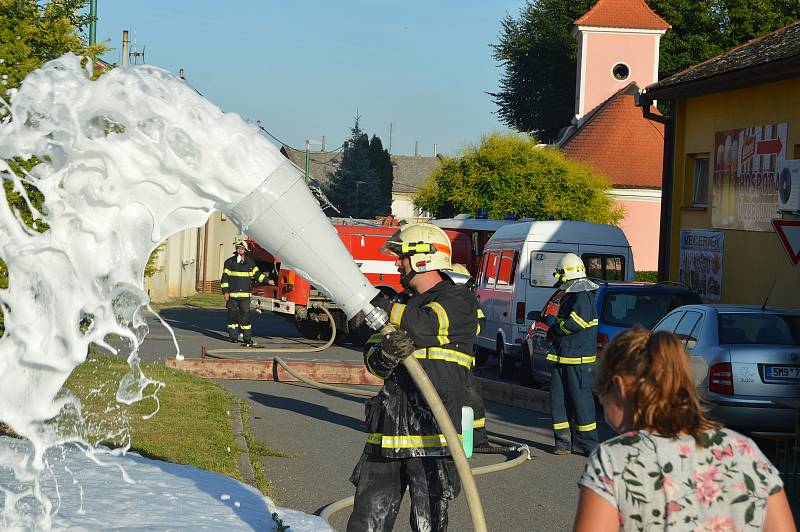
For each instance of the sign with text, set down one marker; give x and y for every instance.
(701, 262)
(745, 187)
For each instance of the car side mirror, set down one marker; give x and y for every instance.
(534, 315)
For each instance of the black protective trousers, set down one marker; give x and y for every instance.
(382, 482)
(239, 319)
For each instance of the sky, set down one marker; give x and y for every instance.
(305, 69)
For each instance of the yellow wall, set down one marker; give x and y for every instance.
(751, 260)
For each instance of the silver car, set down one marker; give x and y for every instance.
(745, 359)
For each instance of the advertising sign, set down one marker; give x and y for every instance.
(745, 188)
(701, 262)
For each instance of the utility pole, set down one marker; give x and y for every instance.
(93, 23)
(309, 142)
(125, 45)
(391, 124)
(355, 211)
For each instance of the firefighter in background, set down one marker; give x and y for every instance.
(573, 334)
(238, 276)
(405, 447)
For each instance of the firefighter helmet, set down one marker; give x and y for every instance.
(426, 245)
(241, 243)
(569, 267)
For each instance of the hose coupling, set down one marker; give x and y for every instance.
(376, 318)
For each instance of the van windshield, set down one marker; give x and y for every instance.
(627, 308)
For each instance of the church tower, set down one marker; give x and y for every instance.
(618, 43)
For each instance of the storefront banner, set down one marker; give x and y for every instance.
(745, 188)
(701, 262)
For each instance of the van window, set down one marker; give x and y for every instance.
(490, 272)
(542, 265)
(608, 267)
(505, 273)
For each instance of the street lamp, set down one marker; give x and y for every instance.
(357, 184)
(309, 142)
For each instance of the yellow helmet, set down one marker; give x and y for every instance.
(569, 267)
(426, 245)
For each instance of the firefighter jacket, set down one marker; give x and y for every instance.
(442, 323)
(238, 277)
(574, 330)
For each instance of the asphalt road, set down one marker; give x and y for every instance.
(324, 432)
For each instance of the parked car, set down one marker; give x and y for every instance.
(516, 276)
(745, 359)
(620, 306)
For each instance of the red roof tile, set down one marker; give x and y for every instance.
(631, 14)
(617, 141)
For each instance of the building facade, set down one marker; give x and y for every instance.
(618, 44)
(735, 128)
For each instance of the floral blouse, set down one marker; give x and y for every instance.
(659, 483)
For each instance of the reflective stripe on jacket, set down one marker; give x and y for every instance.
(238, 278)
(575, 329)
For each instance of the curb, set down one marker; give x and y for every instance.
(243, 460)
(340, 373)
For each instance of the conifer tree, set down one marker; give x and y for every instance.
(382, 164)
(353, 187)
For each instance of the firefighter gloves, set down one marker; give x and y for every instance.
(396, 346)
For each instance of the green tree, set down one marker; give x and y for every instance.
(382, 164)
(34, 32)
(510, 174)
(353, 187)
(538, 54)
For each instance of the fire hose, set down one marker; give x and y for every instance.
(420, 378)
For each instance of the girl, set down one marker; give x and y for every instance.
(671, 468)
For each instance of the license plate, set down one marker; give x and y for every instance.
(783, 372)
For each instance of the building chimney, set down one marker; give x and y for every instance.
(416, 148)
(323, 144)
(435, 149)
(125, 44)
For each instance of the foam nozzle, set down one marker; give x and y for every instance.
(284, 217)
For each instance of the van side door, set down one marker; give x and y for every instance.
(485, 291)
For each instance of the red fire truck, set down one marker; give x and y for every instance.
(294, 298)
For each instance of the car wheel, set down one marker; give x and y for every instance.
(526, 370)
(505, 365)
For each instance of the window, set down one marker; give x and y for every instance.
(668, 324)
(759, 328)
(490, 272)
(543, 264)
(608, 267)
(700, 196)
(508, 264)
(630, 307)
(621, 71)
(687, 328)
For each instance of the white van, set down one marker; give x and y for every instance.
(516, 276)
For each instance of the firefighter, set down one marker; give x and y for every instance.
(405, 447)
(573, 334)
(238, 276)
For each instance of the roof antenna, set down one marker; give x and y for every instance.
(764, 306)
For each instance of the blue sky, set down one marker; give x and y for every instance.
(304, 68)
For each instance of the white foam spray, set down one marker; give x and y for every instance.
(126, 161)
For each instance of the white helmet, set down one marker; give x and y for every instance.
(241, 243)
(426, 245)
(569, 267)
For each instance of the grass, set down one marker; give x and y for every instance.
(192, 426)
(198, 300)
